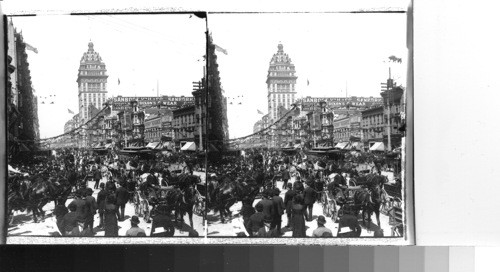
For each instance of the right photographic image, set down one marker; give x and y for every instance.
(307, 128)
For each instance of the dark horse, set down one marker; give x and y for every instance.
(43, 191)
(187, 199)
(17, 199)
(231, 192)
(370, 201)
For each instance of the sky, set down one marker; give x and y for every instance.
(333, 51)
(143, 51)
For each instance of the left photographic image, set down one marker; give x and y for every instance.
(104, 125)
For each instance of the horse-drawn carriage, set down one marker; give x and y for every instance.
(182, 196)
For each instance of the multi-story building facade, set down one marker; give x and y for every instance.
(372, 124)
(24, 128)
(184, 124)
(281, 80)
(393, 107)
(92, 82)
(152, 129)
(111, 127)
(131, 126)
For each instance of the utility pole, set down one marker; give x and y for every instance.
(197, 86)
(389, 96)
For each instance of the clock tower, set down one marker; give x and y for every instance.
(92, 81)
(281, 80)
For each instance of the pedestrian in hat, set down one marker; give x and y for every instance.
(322, 231)
(134, 229)
(309, 199)
(111, 216)
(122, 197)
(101, 203)
(267, 204)
(298, 216)
(70, 222)
(278, 209)
(256, 221)
(289, 195)
(162, 225)
(91, 207)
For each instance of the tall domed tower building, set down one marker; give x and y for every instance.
(281, 80)
(92, 80)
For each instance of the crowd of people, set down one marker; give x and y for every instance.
(115, 179)
(303, 178)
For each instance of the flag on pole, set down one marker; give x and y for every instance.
(259, 112)
(29, 47)
(70, 111)
(395, 59)
(220, 49)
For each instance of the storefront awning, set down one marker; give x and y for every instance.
(189, 146)
(378, 146)
(152, 145)
(342, 145)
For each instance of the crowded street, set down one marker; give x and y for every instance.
(23, 222)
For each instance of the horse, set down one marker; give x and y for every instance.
(43, 191)
(188, 197)
(17, 198)
(230, 192)
(370, 201)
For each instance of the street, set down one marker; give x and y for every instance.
(235, 225)
(23, 224)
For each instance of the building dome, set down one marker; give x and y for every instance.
(280, 47)
(91, 46)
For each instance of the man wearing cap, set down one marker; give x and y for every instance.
(322, 231)
(135, 230)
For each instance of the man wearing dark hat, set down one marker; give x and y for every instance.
(309, 199)
(256, 221)
(162, 220)
(267, 205)
(135, 230)
(278, 209)
(101, 203)
(288, 203)
(81, 206)
(349, 226)
(91, 207)
(70, 222)
(122, 197)
(322, 231)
